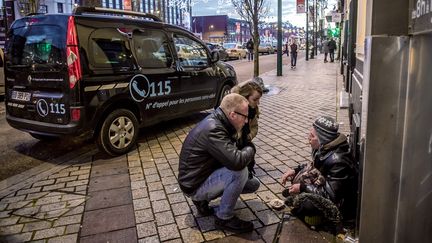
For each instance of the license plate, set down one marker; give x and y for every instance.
(21, 96)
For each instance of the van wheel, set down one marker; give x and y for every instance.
(226, 89)
(118, 133)
(43, 137)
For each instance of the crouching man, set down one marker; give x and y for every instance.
(211, 165)
(328, 185)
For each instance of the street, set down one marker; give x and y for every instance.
(85, 196)
(20, 152)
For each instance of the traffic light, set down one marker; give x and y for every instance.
(333, 32)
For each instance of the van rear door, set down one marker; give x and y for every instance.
(36, 69)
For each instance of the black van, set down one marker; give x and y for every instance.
(105, 73)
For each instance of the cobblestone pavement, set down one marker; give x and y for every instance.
(136, 197)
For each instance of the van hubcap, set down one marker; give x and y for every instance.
(121, 132)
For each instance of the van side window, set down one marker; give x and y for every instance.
(109, 48)
(190, 53)
(151, 49)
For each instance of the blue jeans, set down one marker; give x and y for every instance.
(230, 184)
(250, 55)
(293, 59)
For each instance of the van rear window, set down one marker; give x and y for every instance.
(37, 44)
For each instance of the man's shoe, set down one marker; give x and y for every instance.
(203, 208)
(313, 220)
(234, 224)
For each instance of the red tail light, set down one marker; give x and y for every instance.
(72, 53)
(75, 114)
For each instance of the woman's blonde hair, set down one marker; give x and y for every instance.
(246, 89)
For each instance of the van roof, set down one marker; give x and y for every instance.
(97, 10)
(109, 14)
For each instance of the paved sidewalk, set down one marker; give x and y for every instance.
(136, 197)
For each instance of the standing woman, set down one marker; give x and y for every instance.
(252, 92)
(293, 50)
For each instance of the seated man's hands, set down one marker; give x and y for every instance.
(294, 189)
(289, 175)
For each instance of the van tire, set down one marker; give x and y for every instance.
(126, 124)
(43, 137)
(226, 89)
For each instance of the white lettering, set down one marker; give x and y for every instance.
(141, 88)
(169, 103)
(422, 7)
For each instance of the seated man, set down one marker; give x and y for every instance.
(332, 174)
(211, 164)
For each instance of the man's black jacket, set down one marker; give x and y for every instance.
(209, 146)
(332, 45)
(340, 172)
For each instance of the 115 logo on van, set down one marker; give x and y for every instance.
(44, 108)
(140, 88)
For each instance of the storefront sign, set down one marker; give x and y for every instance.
(301, 8)
(336, 17)
(420, 16)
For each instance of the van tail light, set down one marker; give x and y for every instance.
(72, 53)
(75, 114)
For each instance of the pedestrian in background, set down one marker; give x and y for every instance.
(211, 165)
(293, 52)
(332, 48)
(325, 49)
(287, 48)
(250, 47)
(327, 186)
(252, 91)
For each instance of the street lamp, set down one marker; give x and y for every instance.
(307, 30)
(279, 39)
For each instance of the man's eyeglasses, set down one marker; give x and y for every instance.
(243, 115)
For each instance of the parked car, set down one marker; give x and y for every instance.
(274, 45)
(265, 48)
(223, 54)
(235, 51)
(105, 76)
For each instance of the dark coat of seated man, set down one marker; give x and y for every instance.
(211, 164)
(332, 174)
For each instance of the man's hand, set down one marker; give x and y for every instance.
(294, 188)
(250, 144)
(287, 176)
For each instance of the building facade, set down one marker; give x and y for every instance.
(171, 11)
(220, 28)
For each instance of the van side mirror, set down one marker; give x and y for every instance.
(214, 56)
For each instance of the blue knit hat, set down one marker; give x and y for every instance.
(326, 128)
